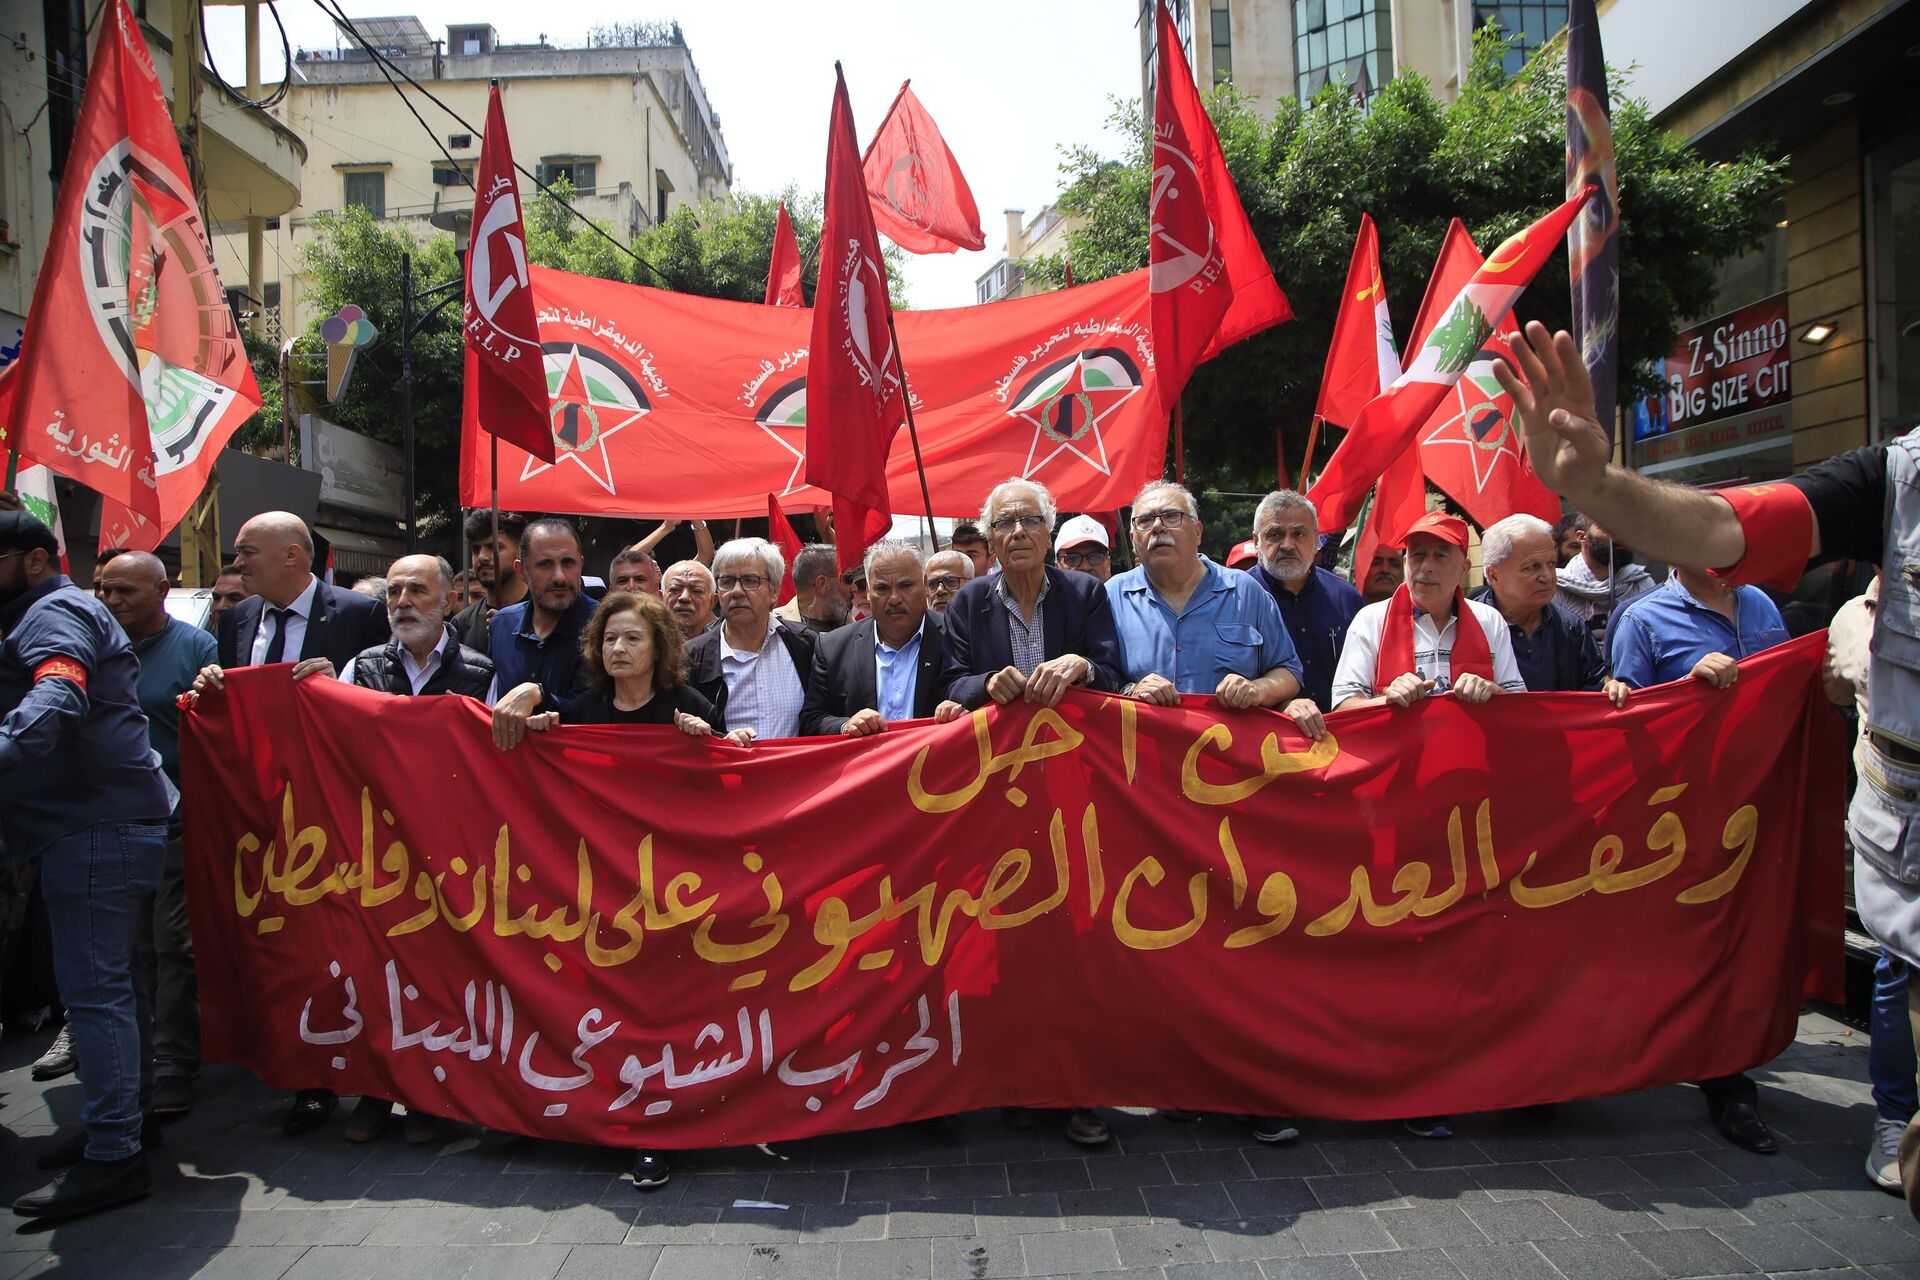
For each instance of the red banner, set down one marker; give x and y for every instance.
(666, 404)
(1105, 904)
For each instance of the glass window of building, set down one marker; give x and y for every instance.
(1894, 217)
(1220, 24)
(1531, 22)
(366, 191)
(1343, 42)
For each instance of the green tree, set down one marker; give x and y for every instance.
(1495, 158)
(721, 249)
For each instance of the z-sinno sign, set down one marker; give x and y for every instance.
(1731, 364)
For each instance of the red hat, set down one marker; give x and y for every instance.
(1438, 524)
(1242, 555)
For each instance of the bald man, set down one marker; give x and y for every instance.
(133, 586)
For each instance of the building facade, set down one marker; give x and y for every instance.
(628, 124)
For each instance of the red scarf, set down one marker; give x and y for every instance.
(1470, 651)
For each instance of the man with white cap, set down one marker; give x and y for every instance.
(1082, 545)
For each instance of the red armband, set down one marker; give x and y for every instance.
(63, 668)
(1778, 523)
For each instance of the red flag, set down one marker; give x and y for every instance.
(1361, 360)
(1388, 426)
(783, 269)
(1469, 446)
(780, 533)
(132, 375)
(1398, 500)
(920, 197)
(506, 376)
(854, 397)
(1211, 283)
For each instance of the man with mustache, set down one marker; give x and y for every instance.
(535, 645)
(1554, 652)
(887, 668)
(423, 658)
(1385, 572)
(822, 601)
(1602, 579)
(1317, 606)
(688, 588)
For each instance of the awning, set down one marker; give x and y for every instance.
(361, 553)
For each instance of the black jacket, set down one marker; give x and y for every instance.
(844, 680)
(464, 671)
(1078, 620)
(341, 625)
(703, 658)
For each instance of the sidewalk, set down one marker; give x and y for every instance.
(1618, 1189)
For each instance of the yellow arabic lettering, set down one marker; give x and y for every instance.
(394, 861)
(1143, 939)
(1277, 902)
(1066, 739)
(626, 920)
(772, 919)
(1274, 763)
(1743, 829)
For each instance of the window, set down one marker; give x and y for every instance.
(662, 188)
(1346, 42)
(367, 190)
(444, 176)
(1001, 282)
(1221, 24)
(459, 141)
(580, 173)
(1531, 23)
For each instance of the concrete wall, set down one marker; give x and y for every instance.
(26, 189)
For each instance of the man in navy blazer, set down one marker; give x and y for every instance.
(886, 668)
(1030, 631)
(292, 616)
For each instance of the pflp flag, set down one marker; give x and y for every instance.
(1470, 448)
(1211, 283)
(780, 533)
(132, 374)
(1388, 425)
(1593, 241)
(783, 268)
(855, 397)
(1361, 360)
(506, 378)
(920, 198)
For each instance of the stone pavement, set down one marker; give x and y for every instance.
(1617, 1189)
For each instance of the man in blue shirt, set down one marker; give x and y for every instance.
(1698, 625)
(1316, 605)
(80, 791)
(133, 586)
(535, 645)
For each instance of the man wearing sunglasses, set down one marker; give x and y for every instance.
(1082, 546)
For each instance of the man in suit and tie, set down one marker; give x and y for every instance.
(294, 617)
(886, 668)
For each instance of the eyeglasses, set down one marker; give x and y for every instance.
(1007, 524)
(1074, 559)
(745, 581)
(1172, 518)
(944, 582)
(16, 552)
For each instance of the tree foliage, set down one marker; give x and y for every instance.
(1495, 158)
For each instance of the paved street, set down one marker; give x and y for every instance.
(1624, 1188)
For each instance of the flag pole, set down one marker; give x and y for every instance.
(493, 477)
(13, 470)
(906, 402)
(1179, 445)
(1313, 437)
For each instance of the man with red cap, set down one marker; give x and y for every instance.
(1413, 643)
(1244, 555)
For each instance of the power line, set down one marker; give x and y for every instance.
(383, 63)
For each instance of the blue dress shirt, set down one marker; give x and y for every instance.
(1660, 636)
(1230, 624)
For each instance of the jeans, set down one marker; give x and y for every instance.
(99, 884)
(1891, 1061)
(166, 966)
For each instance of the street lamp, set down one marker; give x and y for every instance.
(459, 222)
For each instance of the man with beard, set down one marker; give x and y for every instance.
(535, 645)
(753, 667)
(888, 668)
(229, 589)
(821, 601)
(1385, 572)
(80, 791)
(1599, 581)
(1567, 536)
(423, 658)
(688, 588)
(1554, 652)
(495, 563)
(947, 572)
(171, 653)
(1316, 605)
(635, 571)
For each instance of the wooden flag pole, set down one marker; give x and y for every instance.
(1313, 437)
(913, 434)
(493, 477)
(1280, 457)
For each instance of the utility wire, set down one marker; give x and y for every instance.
(286, 54)
(333, 11)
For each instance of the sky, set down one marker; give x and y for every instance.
(1010, 82)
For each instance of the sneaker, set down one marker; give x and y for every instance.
(1275, 1129)
(1087, 1129)
(1429, 1127)
(649, 1170)
(59, 1059)
(1883, 1154)
(88, 1187)
(172, 1096)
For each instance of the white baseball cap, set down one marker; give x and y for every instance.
(1081, 529)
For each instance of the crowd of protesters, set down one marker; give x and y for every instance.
(1021, 605)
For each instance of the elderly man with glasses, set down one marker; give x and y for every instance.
(947, 572)
(1082, 546)
(753, 667)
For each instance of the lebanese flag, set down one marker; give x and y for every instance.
(506, 378)
(132, 374)
(854, 395)
(1391, 422)
(34, 486)
(783, 269)
(1211, 283)
(1470, 447)
(920, 198)
(780, 533)
(1361, 361)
